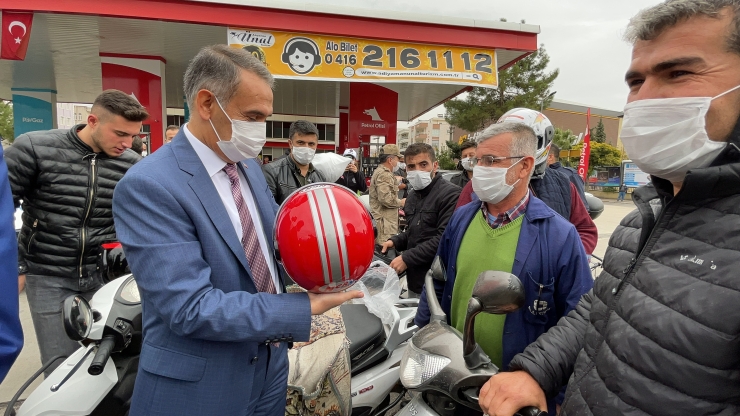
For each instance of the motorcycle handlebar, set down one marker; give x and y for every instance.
(101, 356)
(530, 411)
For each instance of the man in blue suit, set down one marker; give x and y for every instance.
(11, 333)
(196, 220)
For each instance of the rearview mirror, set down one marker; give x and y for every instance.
(438, 270)
(494, 292)
(498, 292)
(78, 317)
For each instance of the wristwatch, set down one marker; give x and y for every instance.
(22, 269)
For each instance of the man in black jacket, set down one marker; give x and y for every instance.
(429, 206)
(660, 332)
(287, 174)
(66, 180)
(352, 177)
(467, 151)
(553, 161)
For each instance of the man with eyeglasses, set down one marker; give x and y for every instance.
(513, 231)
(553, 187)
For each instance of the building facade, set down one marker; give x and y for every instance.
(567, 115)
(434, 132)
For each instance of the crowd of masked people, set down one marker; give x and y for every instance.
(655, 334)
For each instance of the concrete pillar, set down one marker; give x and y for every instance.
(34, 109)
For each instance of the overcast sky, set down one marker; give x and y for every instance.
(582, 37)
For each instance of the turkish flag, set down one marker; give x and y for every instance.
(16, 32)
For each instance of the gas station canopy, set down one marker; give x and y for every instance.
(366, 68)
(69, 37)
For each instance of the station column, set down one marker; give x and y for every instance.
(142, 76)
(34, 109)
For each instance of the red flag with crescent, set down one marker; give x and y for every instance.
(16, 32)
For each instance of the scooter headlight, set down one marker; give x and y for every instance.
(418, 366)
(130, 292)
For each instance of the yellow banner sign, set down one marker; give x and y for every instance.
(302, 56)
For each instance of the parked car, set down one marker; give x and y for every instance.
(448, 174)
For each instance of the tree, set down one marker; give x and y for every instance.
(445, 160)
(454, 148)
(6, 121)
(525, 84)
(565, 139)
(599, 135)
(603, 155)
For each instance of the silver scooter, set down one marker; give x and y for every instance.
(445, 369)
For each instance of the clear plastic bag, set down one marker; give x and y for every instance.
(381, 288)
(330, 165)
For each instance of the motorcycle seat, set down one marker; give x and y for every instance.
(364, 330)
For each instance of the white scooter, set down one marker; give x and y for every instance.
(375, 354)
(98, 379)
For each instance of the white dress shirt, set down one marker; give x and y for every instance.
(214, 166)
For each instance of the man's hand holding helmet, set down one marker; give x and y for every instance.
(321, 303)
(325, 240)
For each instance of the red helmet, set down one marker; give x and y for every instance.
(324, 237)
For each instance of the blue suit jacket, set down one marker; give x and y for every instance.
(205, 324)
(11, 334)
(549, 253)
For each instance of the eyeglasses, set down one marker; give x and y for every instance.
(488, 161)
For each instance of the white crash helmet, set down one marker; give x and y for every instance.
(542, 128)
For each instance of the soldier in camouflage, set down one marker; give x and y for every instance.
(384, 202)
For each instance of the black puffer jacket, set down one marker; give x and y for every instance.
(427, 213)
(67, 193)
(282, 178)
(660, 332)
(575, 179)
(554, 188)
(461, 179)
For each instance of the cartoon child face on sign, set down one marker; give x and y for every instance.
(301, 55)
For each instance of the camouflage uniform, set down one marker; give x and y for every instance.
(384, 203)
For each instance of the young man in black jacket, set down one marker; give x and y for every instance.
(352, 177)
(467, 151)
(428, 208)
(287, 174)
(66, 180)
(660, 332)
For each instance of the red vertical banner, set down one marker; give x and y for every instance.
(16, 32)
(586, 150)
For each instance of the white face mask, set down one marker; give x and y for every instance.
(467, 164)
(667, 137)
(419, 179)
(247, 138)
(303, 155)
(490, 183)
(399, 166)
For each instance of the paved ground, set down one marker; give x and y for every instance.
(29, 361)
(608, 221)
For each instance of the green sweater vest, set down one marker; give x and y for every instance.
(483, 248)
